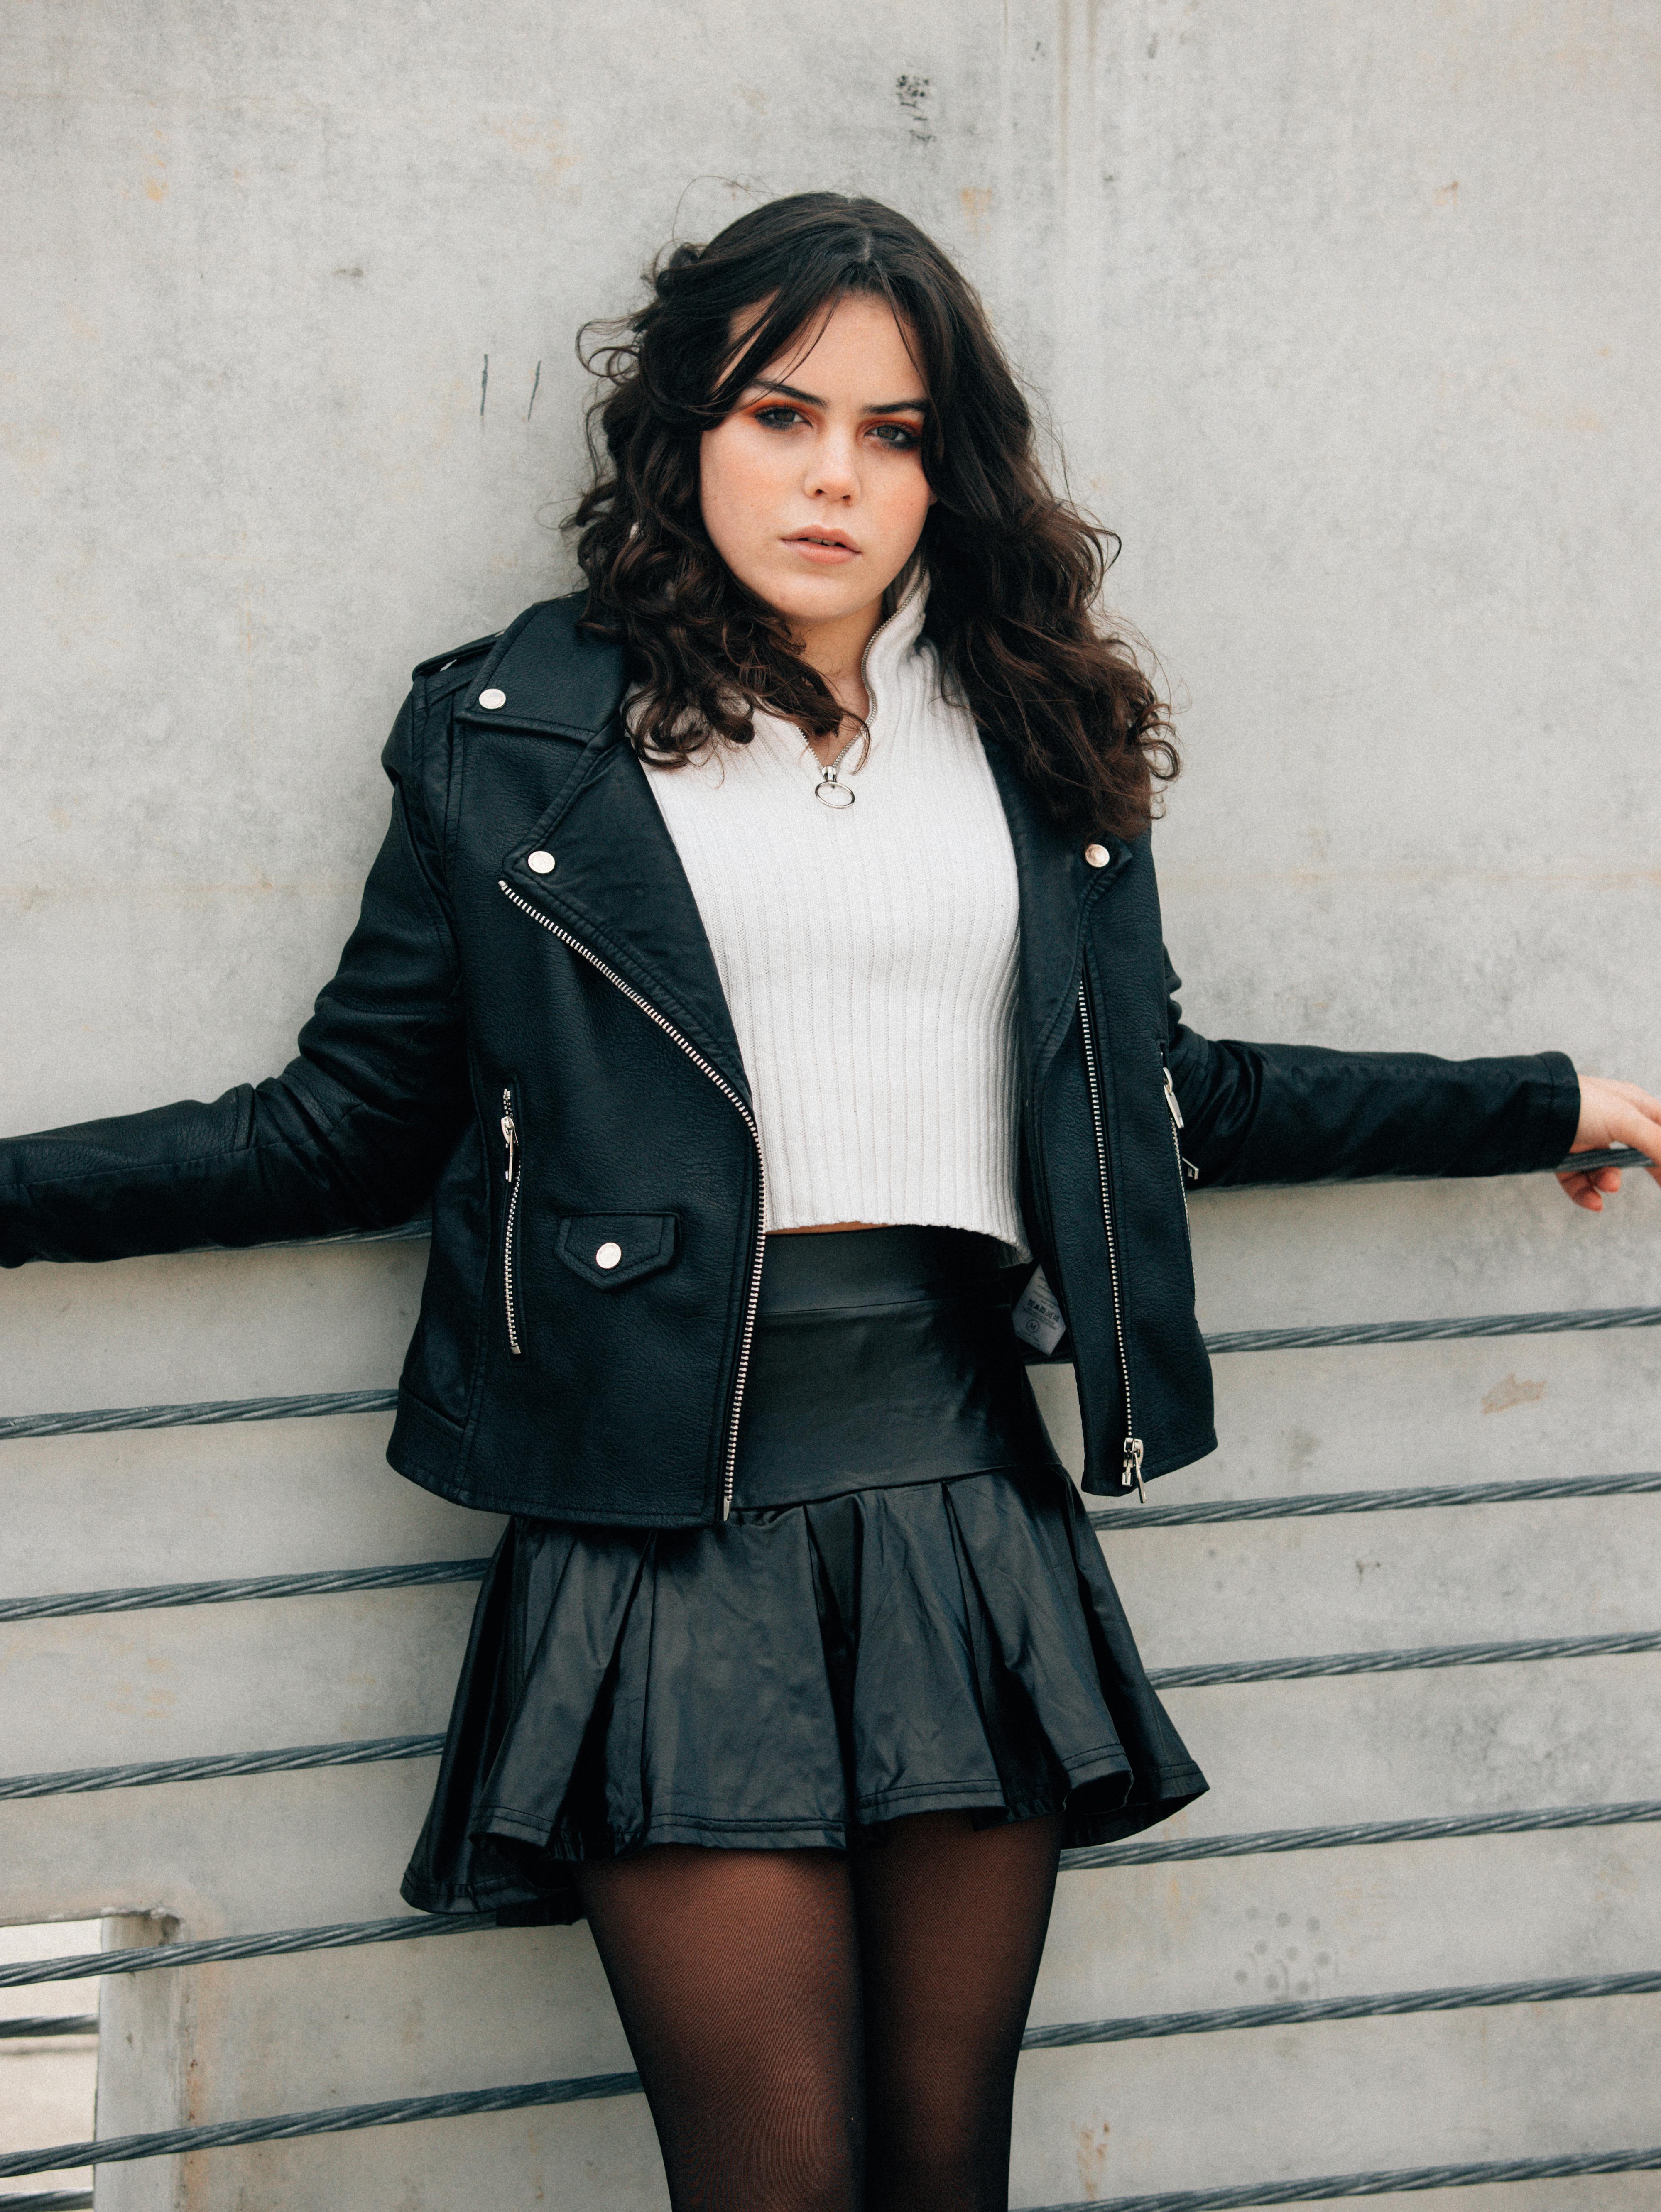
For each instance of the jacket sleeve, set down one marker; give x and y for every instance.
(351, 1134)
(1293, 1113)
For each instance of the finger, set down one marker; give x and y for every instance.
(1579, 1188)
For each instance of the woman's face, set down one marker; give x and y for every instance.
(812, 489)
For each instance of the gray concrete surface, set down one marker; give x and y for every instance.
(1344, 318)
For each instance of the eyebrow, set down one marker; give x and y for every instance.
(811, 399)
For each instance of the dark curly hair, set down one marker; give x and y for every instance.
(1014, 571)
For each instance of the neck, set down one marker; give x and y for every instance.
(835, 651)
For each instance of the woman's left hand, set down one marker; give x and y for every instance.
(1612, 1113)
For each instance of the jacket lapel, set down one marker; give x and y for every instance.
(1057, 885)
(616, 884)
(619, 887)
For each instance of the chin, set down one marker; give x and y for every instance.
(810, 598)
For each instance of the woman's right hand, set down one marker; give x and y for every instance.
(1612, 1113)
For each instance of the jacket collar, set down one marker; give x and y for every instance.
(619, 887)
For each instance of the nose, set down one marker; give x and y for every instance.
(833, 469)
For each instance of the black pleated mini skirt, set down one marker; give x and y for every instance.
(907, 1612)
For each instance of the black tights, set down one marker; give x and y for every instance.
(818, 2033)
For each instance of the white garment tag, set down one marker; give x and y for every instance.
(1037, 1318)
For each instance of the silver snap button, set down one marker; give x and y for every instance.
(608, 1255)
(1097, 856)
(493, 697)
(540, 864)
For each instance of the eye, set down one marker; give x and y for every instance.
(777, 417)
(903, 439)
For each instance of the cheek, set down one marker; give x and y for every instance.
(905, 500)
(735, 485)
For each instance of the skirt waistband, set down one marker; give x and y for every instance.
(882, 1357)
(838, 1269)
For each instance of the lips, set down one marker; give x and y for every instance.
(837, 540)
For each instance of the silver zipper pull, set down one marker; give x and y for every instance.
(509, 1134)
(1132, 1466)
(1171, 1100)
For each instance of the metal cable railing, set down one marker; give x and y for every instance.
(1381, 2182)
(146, 1597)
(290, 1758)
(1312, 1504)
(1412, 1656)
(1231, 2018)
(1350, 1835)
(279, 1943)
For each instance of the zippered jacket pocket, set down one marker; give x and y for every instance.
(513, 1170)
(1186, 1173)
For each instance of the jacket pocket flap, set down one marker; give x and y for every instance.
(607, 1249)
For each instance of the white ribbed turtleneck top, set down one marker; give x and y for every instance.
(868, 953)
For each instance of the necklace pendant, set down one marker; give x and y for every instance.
(829, 791)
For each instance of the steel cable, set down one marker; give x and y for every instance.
(395, 2111)
(1396, 1662)
(76, 1781)
(1359, 1834)
(1567, 1322)
(1311, 1505)
(1384, 2182)
(208, 1414)
(1313, 2012)
(146, 1596)
(279, 1943)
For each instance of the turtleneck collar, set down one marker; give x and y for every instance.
(893, 642)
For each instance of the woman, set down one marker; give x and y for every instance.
(762, 976)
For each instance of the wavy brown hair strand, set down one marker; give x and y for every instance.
(1015, 573)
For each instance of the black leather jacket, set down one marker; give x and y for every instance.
(526, 1027)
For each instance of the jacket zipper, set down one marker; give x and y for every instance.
(1131, 1472)
(514, 1169)
(749, 1119)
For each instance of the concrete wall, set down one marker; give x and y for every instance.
(1345, 317)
